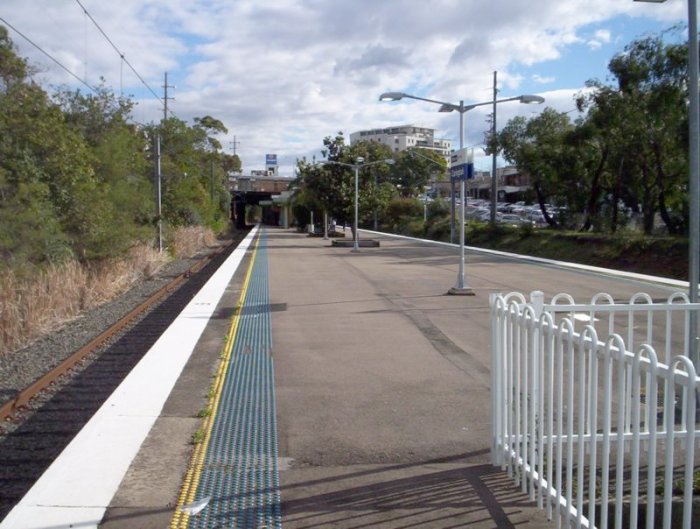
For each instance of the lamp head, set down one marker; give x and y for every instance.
(359, 160)
(390, 161)
(391, 96)
(531, 99)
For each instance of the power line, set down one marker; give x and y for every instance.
(121, 55)
(92, 89)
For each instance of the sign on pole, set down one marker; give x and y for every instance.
(462, 165)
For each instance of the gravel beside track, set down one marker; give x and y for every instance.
(20, 368)
(34, 437)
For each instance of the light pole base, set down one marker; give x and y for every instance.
(463, 291)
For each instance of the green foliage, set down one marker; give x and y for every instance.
(438, 228)
(331, 187)
(197, 437)
(415, 168)
(76, 174)
(627, 154)
(402, 212)
(438, 209)
(194, 171)
(123, 206)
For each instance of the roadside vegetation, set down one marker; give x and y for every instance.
(77, 197)
(629, 249)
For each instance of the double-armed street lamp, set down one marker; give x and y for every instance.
(360, 163)
(460, 287)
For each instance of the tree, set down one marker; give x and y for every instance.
(415, 168)
(645, 114)
(195, 171)
(125, 199)
(537, 146)
(45, 168)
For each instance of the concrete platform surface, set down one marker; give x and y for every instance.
(382, 388)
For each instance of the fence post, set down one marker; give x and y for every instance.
(537, 302)
(496, 382)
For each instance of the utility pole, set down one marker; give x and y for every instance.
(234, 143)
(159, 212)
(165, 97)
(494, 153)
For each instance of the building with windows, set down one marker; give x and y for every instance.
(405, 137)
(512, 184)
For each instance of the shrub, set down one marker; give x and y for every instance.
(438, 229)
(403, 207)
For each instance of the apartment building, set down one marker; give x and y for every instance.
(405, 137)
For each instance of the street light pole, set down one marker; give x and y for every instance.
(356, 167)
(356, 242)
(460, 287)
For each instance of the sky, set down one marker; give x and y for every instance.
(284, 74)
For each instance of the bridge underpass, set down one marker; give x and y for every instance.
(241, 201)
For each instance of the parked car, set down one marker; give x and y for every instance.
(513, 220)
(536, 217)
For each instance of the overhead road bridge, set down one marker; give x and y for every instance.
(274, 207)
(260, 188)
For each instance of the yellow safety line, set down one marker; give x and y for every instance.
(194, 471)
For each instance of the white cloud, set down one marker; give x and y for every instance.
(283, 74)
(538, 79)
(601, 36)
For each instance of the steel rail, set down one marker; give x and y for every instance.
(43, 382)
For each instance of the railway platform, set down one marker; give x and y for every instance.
(307, 386)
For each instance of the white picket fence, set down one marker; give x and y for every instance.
(601, 432)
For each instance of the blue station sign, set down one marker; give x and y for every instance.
(462, 165)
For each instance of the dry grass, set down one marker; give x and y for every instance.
(31, 307)
(188, 241)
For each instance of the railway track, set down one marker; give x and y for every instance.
(30, 448)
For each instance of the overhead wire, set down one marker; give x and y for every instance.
(72, 74)
(30, 41)
(121, 55)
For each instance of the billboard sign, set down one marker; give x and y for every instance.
(270, 159)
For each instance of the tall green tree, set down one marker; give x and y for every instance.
(44, 168)
(124, 203)
(194, 171)
(332, 186)
(415, 168)
(538, 147)
(645, 114)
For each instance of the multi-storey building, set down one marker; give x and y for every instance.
(404, 137)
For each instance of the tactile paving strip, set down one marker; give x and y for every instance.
(238, 470)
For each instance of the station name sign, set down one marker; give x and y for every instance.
(462, 165)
